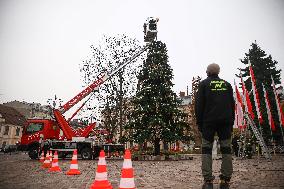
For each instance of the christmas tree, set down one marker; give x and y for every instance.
(155, 116)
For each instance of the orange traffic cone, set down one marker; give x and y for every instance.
(42, 157)
(46, 163)
(74, 165)
(127, 176)
(101, 181)
(54, 166)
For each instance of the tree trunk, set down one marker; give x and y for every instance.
(157, 147)
(166, 146)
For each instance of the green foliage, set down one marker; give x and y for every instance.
(264, 67)
(155, 115)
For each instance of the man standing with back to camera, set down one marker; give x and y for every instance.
(214, 109)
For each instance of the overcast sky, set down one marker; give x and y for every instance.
(42, 43)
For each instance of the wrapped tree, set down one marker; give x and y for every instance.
(264, 67)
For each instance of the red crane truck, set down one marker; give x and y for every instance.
(60, 134)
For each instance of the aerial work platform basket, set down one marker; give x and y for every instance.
(150, 29)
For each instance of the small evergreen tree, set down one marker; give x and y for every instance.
(155, 115)
(264, 67)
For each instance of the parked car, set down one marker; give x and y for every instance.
(10, 148)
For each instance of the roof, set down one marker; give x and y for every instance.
(11, 116)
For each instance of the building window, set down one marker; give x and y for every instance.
(6, 131)
(18, 131)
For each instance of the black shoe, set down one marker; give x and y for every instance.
(208, 184)
(224, 184)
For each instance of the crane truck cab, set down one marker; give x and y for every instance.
(150, 29)
(34, 132)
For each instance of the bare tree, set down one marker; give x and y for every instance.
(108, 105)
(195, 84)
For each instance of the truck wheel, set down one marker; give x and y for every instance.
(86, 153)
(33, 153)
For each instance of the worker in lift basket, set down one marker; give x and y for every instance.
(214, 109)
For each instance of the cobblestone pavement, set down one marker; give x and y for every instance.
(18, 171)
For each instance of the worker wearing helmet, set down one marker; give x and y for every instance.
(214, 109)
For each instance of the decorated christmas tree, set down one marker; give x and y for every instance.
(155, 115)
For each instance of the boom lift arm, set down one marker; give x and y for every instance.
(94, 86)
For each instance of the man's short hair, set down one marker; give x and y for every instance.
(213, 69)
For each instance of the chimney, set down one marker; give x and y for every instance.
(181, 94)
(187, 90)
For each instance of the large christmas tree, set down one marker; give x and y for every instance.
(264, 68)
(155, 115)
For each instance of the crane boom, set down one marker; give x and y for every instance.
(83, 94)
(99, 81)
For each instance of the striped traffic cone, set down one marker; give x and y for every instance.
(127, 176)
(74, 165)
(41, 159)
(101, 181)
(54, 166)
(46, 163)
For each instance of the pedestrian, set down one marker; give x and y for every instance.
(235, 145)
(214, 109)
(46, 146)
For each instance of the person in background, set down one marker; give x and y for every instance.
(235, 145)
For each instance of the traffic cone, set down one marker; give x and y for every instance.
(42, 157)
(127, 176)
(101, 181)
(74, 165)
(54, 166)
(46, 163)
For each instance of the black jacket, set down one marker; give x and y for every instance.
(214, 102)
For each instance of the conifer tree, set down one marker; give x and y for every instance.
(264, 67)
(155, 115)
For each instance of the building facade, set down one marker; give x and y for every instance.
(11, 126)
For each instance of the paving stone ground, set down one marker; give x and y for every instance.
(19, 172)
